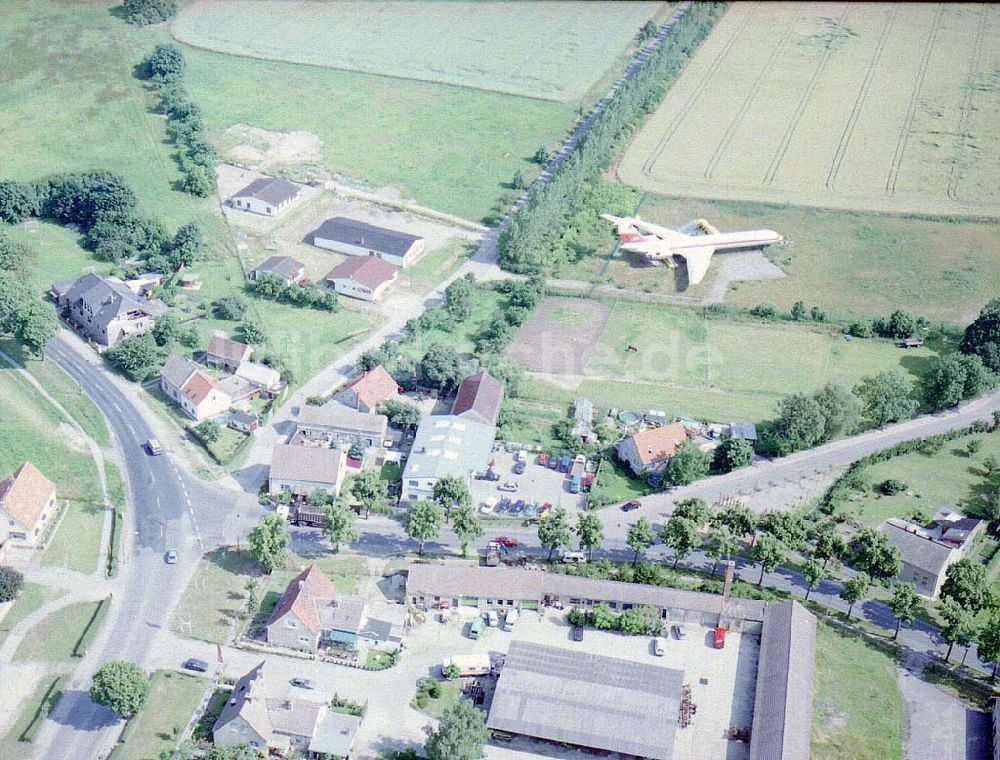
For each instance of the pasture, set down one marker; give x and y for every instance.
(671, 358)
(882, 107)
(547, 50)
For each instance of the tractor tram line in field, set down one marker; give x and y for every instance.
(962, 137)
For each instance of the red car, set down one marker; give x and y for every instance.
(720, 638)
(543, 459)
(630, 505)
(507, 542)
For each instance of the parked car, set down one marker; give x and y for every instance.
(153, 447)
(565, 463)
(195, 664)
(491, 475)
(719, 640)
(170, 557)
(492, 619)
(476, 628)
(509, 620)
(577, 633)
(302, 683)
(659, 646)
(679, 631)
(507, 542)
(519, 468)
(574, 558)
(575, 484)
(508, 486)
(554, 462)
(630, 505)
(521, 456)
(543, 459)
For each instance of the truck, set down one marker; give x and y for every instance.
(492, 554)
(579, 466)
(467, 665)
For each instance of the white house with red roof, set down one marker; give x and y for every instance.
(27, 504)
(367, 392)
(363, 277)
(195, 392)
(649, 450)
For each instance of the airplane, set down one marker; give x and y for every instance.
(695, 242)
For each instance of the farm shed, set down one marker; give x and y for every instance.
(356, 238)
(268, 196)
(362, 277)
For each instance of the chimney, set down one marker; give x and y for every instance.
(727, 586)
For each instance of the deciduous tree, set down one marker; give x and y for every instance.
(886, 397)
(122, 686)
(815, 573)
(467, 526)
(451, 492)
(966, 583)
(854, 590)
(640, 537)
(688, 465)
(589, 531)
(338, 523)
(269, 542)
(903, 604)
(554, 531)
(679, 534)
(11, 583)
(982, 337)
(876, 556)
(721, 545)
(462, 734)
(423, 521)
(732, 454)
(441, 367)
(770, 553)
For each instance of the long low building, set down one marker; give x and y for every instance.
(336, 423)
(431, 586)
(567, 696)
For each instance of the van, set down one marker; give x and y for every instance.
(575, 484)
(574, 558)
(476, 628)
(509, 620)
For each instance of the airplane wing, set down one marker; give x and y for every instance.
(697, 258)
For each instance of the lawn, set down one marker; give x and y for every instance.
(385, 132)
(857, 706)
(28, 723)
(57, 636)
(76, 543)
(475, 45)
(35, 431)
(344, 570)
(852, 264)
(436, 266)
(215, 596)
(451, 691)
(173, 698)
(949, 479)
(31, 598)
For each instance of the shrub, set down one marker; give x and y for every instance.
(891, 486)
(766, 310)
(434, 690)
(145, 12)
(165, 63)
(11, 583)
(862, 329)
(231, 308)
(207, 431)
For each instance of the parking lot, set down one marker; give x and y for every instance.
(537, 485)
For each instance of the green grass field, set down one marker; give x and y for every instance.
(76, 543)
(852, 264)
(55, 638)
(31, 598)
(950, 479)
(385, 132)
(549, 50)
(215, 595)
(173, 698)
(857, 706)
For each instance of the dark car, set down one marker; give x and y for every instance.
(195, 664)
(629, 506)
(519, 468)
(577, 633)
(302, 683)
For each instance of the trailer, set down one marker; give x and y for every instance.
(468, 665)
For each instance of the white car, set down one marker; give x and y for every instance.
(154, 447)
(659, 646)
(508, 486)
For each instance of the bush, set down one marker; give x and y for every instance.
(11, 583)
(145, 12)
(208, 431)
(231, 308)
(891, 486)
(862, 329)
(18, 201)
(766, 310)
(165, 63)
(434, 690)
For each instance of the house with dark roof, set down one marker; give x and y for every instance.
(261, 711)
(745, 430)
(367, 392)
(649, 450)
(225, 353)
(27, 504)
(925, 558)
(782, 710)
(479, 398)
(336, 423)
(362, 277)
(244, 422)
(192, 389)
(300, 470)
(104, 309)
(291, 271)
(356, 238)
(268, 196)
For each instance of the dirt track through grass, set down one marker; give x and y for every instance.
(884, 107)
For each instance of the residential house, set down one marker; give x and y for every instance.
(195, 392)
(27, 504)
(142, 284)
(104, 309)
(958, 531)
(262, 712)
(925, 559)
(479, 398)
(363, 277)
(335, 423)
(269, 196)
(244, 422)
(367, 392)
(300, 470)
(291, 271)
(356, 238)
(649, 450)
(226, 353)
(312, 614)
(445, 445)
(265, 379)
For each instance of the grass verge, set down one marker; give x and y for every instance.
(63, 634)
(173, 698)
(214, 598)
(31, 598)
(29, 722)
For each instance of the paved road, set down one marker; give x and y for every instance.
(831, 456)
(168, 510)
